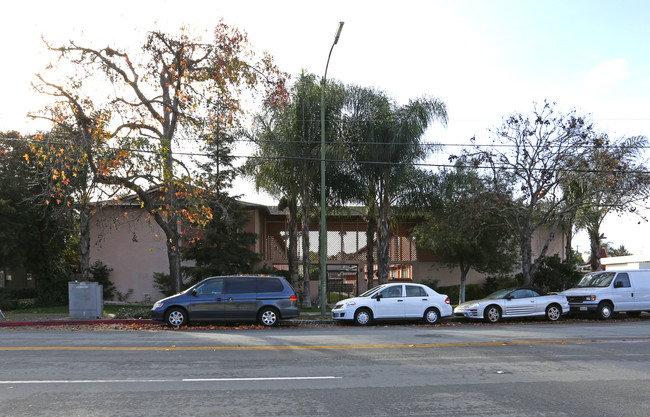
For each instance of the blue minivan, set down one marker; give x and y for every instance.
(261, 298)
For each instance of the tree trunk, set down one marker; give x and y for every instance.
(594, 240)
(371, 224)
(463, 280)
(568, 249)
(84, 241)
(174, 256)
(526, 256)
(293, 243)
(306, 263)
(383, 246)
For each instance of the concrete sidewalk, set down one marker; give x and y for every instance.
(34, 320)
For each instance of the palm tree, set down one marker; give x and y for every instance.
(289, 149)
(385, 139)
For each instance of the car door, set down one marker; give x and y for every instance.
(416, 301)
(206, 300)
(389, 303)
(240, 298)
(520, 303)
(622, 294)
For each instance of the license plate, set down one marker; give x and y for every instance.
(583, 308)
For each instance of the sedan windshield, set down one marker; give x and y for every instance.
(598, 279)
(499, 294)
(372, 291)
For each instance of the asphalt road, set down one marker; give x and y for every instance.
(511, 369)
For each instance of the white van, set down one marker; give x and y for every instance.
(607, 292)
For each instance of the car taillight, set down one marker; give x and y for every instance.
(293, 298)
(447, 301)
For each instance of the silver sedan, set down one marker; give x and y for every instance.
(514, 302)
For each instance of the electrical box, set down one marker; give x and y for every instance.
(86, 300)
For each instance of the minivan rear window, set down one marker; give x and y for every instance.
(269, 285)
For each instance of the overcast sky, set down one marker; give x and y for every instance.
(484, 59)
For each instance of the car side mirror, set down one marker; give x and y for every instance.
(618, 284)
(195, 293)
(508, 297)
(377, 297)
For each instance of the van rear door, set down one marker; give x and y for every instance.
(641, 288)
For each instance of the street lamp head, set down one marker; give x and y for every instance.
(338, 32)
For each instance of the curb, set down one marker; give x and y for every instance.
(73, 322)
(100, 322)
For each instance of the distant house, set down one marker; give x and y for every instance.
(617, 263)
(124, 239)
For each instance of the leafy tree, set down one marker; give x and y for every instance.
(223, 247)
(67, 186)
(533, 157)
(460, 230)
(179, 88)
(31, 235)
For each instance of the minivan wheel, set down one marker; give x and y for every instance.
(605, 311)
(176, 317)
(492, 314)
(553, 312)
(362, 317)
(268, 317)
(431, 316)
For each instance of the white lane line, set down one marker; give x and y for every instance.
(287, 378)
(120, 381)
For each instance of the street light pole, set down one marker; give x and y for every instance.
(323, 225)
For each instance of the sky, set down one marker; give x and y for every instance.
(484, 59)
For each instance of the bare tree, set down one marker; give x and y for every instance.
(533, 156)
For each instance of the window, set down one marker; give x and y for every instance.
(392, 292)
(415, 291)
(269, 285)
(212, 287)
(522, 294)
(240, 285)
(622, 281)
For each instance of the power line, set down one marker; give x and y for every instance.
(330, 160)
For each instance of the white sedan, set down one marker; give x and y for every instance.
(394, 301)
(514, 302)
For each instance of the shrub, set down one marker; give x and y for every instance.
(101, 275)
(163, 283)
(52, 286)
(493, 284)
(135, 312)
(472, 292)
(554, 274)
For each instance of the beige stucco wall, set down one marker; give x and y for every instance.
(123, 239)
(433, 271)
